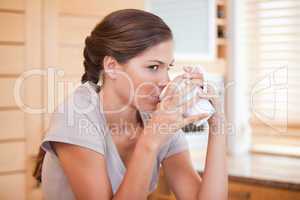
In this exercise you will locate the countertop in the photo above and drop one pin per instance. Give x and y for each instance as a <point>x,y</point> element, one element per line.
<point>260,169</point>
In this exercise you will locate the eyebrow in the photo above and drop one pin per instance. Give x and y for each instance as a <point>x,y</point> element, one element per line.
<point>161,62</point>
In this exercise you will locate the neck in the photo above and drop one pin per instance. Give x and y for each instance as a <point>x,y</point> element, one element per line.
<point>121,118</point>
<point>115,109</point>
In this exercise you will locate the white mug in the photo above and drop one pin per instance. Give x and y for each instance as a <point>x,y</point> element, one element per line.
<point>201,106</point>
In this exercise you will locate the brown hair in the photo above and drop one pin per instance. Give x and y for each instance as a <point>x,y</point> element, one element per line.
<point>122,34</point>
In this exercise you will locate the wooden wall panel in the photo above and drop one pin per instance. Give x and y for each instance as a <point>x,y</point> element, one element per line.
<point>12,59</point>
<point>14,27</point>
<point>31,85</point>
<point>74,29</point>
<point>8,119</point>
<point>12,187</point>
<point>71,60</point>
<point>12,156</point>
<point>19,50</point>
<point>7,88</point>
<point>33,132</point>
<point>12,4</point>
<point>12,140</point>
<point>97,7</point>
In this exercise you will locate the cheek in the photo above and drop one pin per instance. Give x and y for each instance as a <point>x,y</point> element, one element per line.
<point>124,86</point>
<point>146,84</point>
<point>144,89</point>
<point>143,83</point>
<point>132,87</point>
<point>143,100</point>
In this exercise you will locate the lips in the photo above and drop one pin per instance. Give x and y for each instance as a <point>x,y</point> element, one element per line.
<point>154,94</point>
<point>151,98</point>
<point>154,98</point>
<point>159,94</point>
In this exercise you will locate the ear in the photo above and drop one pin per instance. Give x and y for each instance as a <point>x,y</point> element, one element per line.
<point>110,67</point>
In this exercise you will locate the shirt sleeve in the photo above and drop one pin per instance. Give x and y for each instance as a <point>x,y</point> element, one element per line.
<point>177,144</point>
<point>73,127</point>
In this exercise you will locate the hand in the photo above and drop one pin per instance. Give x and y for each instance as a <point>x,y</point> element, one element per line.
<point>168,116</point>
<point>211,95</point>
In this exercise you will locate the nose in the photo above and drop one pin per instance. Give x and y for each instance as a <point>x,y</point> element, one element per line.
<point>164,81</point>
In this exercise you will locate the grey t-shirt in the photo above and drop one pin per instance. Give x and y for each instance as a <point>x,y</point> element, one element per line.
<point>80,120</point>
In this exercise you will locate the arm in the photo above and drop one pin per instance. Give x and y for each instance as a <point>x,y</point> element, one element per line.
<point>89,168</point>
<point>85,170</point>
<point>87,173</point>
<point>184,180</point>
<point>181,177</point>
<point>135,184</point>
<point>215,176</point>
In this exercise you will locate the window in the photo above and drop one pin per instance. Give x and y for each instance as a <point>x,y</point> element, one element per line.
<point>193,26</point>
<point>272,44</point>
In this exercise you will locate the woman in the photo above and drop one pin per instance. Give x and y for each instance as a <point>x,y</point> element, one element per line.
<point>103,143</point>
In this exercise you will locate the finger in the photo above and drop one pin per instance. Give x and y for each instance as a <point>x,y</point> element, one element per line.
<point>191,75</point>
<point>194,118</point>
<point>193,70</point>
<point>199,82</point>
<point>197,69</point>
<point>197,79</point>
<point>196,74</point>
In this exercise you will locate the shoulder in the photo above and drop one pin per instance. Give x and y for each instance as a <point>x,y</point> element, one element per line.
<point>82,100</point>
<point>80,106</point>
<point>77,121</point>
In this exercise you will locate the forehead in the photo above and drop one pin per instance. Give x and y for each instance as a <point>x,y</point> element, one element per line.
<point>162,51</point>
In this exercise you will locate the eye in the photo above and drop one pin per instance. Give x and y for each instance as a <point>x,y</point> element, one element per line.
<point>153,67</point>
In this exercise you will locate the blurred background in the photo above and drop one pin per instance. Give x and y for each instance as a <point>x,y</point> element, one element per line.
<point>249,49</point>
